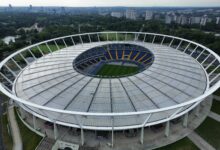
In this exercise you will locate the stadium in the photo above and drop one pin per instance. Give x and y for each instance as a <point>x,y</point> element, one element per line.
<point>110,84</point>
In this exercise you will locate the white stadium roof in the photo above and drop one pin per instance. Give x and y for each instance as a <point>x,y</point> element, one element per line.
<point>176,82</point>
<point>173,78</point>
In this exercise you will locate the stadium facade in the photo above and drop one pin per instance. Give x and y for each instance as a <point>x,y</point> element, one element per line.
<point>59,80</point>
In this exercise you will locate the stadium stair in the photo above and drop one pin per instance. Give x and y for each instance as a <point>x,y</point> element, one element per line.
<point>123,54</point>
<point>46,144</point>
<point>136,56</point>
<point>142,57</point>
<point>110,55</point>
<point>129,56</point>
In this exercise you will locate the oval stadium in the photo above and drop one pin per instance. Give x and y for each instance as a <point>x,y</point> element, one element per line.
<point>112,90</point>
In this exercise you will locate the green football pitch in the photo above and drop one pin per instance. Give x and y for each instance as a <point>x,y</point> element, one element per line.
<point>116,70</point>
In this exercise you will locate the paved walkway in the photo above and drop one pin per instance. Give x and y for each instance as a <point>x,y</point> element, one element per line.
<point>200,142</point>
<point>214,116</point>
<point>17,142</point>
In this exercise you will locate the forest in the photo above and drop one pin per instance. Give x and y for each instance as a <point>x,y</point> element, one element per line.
<point>56,25</point>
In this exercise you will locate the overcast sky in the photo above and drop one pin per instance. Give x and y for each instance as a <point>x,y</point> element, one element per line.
<point>86,3</point>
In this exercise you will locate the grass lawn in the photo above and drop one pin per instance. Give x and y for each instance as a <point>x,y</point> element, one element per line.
<point>30,139</point>
<point>112,37</point>
<point>210,131</point>
<point>216,106</point>
<point>116,70</point>
<point>212,68</point>
<point>44,48</point>
<point>37,53</point>
<point>183,144</point>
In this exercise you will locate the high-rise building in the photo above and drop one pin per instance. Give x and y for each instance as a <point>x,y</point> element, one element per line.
<point>131,14</point>
<point>204,20</point>
<point>103,13</point>
<point>174,17</point>
<point>217,20</point>
<point>209,19</point>
<point>63,10</point>
<point>178,20</point>
<point>182,20</point>
<point>157,17</point>
<point>195,20</point>
<point>149,15</point>
<point>117,14</point>
<point>168,19</point>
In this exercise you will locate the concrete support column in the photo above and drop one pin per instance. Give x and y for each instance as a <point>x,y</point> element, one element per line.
<point>142,135</point>
<point>167,129</point>
<point>11,102</point>
<point>34,122</point>
<point>197,110</point>
<point>112,132</point>
<point>21,113</point>
<point>82,136</point>
<point>112,137</point>
<point>203,103</point>
<point>185,120</point>
<point>55,131</point>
